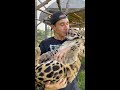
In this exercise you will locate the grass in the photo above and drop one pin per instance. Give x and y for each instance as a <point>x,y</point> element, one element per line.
<point>81,77</point>
<point>81,80</point>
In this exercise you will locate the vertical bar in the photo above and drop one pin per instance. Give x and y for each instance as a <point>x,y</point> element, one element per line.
<point>45,31</point>
<point>35,23</point>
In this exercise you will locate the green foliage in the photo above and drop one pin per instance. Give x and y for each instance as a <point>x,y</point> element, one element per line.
<point>81,80</point>
<point>40,35</point>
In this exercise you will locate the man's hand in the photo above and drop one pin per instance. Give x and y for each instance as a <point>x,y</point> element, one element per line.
<point>60,84</point>
<point>59,56</point>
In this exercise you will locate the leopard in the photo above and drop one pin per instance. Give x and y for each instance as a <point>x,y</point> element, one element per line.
<point>49,69</point>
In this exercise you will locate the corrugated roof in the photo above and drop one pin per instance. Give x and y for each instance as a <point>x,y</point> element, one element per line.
<point>72,4</point>
<point>76,6</point>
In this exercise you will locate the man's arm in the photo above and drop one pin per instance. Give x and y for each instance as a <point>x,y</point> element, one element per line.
<point>62,51</point>
<point>60,84</point>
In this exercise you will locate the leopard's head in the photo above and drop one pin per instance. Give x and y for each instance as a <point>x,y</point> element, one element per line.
<point>75,33</point>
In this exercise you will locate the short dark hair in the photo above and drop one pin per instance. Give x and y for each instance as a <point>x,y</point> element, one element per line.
<point>57,16</point>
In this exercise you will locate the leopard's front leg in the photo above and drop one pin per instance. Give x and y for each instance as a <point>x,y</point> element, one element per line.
<point>48,56</point>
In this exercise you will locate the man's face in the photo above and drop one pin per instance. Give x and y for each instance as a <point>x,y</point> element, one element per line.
<point>61,27</point>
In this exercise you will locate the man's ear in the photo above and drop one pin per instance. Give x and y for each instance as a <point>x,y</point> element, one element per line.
<point>53,27</point>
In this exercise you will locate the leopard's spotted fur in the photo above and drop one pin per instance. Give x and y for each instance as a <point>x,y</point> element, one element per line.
<point>48,69</point>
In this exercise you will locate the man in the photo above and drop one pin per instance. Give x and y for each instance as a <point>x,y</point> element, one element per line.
<point>60,25</point>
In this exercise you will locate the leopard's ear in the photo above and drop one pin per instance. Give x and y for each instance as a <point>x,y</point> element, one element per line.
<point>37,54</point>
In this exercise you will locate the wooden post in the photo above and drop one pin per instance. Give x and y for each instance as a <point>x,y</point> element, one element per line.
<point>45,31</point>
<point>35,23</point>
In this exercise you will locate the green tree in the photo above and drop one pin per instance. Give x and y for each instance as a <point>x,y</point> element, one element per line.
<point>40,35</point>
